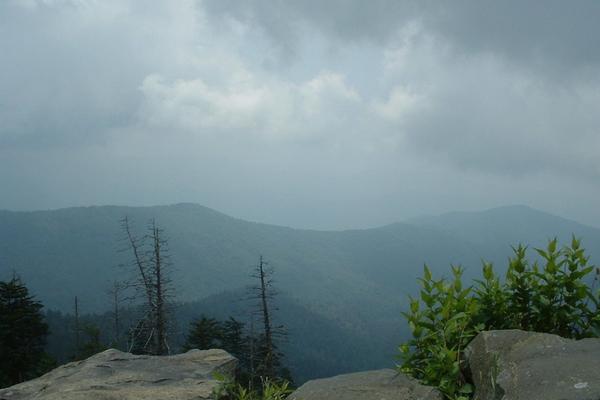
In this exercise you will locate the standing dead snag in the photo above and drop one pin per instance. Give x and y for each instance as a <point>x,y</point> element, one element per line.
<point>264,280</point>
<point>77,330</point>
<point>152,284</point>
<point>141,282</point>
<point>267,359</point>
<point>115,293</point>
<point>158,262</point>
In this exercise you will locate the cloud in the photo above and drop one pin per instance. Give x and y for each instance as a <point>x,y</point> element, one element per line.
<point>75,66</point>
<point>549,36</point>
<point>315,110</point>
<point>481,112</point>
<point>369,110</point>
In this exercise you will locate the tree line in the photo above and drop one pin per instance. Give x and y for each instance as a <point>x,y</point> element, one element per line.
<point>149,290</point>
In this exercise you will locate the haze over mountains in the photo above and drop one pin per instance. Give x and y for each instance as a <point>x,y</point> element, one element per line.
<point>332,124</point>
<point>350,284</point>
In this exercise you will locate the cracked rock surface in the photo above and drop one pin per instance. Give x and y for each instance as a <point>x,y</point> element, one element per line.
<point>115,375</point>
<point>519,365</point>
<point>384,384</point>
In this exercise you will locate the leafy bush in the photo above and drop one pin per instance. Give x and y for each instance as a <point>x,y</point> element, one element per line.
<point>553,298</point>
<point>442,322</point>
<point>228,389</point>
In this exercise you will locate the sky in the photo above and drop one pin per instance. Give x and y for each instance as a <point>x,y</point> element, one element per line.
<point>314,114</point>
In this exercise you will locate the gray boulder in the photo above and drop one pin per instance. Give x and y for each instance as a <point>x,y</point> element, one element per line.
<point>385,384</point>
<point>518,365</point>
<point>114,375</point>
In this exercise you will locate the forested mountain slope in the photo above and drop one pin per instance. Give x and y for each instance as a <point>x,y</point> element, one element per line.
<point>355,281</point>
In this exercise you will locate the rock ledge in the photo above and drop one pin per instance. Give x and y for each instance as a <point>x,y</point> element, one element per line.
<point>514,364</point>
<point>370,385</point>
<point>114,375</point>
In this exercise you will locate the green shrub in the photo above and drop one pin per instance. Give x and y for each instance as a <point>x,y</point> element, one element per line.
<point>228,389</point>
<point>442,324</point>
<point>553,298</point>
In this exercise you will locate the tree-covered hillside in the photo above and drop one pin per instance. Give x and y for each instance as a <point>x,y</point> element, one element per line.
<point>352,283</point>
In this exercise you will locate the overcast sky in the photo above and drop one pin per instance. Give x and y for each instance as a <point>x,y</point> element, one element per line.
<point>318,113</point>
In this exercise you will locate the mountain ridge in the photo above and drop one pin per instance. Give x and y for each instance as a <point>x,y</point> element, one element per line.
<point>209,244</point>
<point>412,220</point>
<point>356,280</point>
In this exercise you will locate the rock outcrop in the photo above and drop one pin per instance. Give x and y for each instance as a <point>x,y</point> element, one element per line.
<point>520,365</point>
<point>503,365</point>
<point>385,384</point>
<point>114,375</point>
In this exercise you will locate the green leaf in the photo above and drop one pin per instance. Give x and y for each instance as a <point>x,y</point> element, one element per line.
<point>414,306</point>
<point>466,389</point>
<point>552,245</point>
<point>426,273</point>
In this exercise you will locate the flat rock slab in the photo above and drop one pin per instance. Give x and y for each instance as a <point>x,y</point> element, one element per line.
<point>114,375</point>
<point>519,365</point>
<point>385,384</point>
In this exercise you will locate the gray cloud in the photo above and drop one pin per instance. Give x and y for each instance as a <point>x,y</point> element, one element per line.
<point>53,89</point>
<point>318,114</point>
<point>530,32</point>
<point>483,113</point>
<point>552,34</point>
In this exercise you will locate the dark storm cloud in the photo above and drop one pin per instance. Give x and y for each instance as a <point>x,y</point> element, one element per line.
<point>550,34</point>
<point>516,87</point>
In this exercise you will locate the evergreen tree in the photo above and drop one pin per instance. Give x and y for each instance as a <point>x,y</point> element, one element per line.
<point>229,335</point>
<point>23,334</point>
<point>233,340</point>
<point>92,345</point>
<point>205,333</point>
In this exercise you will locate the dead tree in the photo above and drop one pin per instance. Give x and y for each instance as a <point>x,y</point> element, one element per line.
<point>263,293</point>
<point>115,293</point>
<point>151,285</point>
<point>251,354</point>
<point>160,287</point>
<point>77,329</point>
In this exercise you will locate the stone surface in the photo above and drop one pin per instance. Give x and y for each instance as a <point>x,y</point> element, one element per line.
<point>114,375</point>
<point>518,365</point>
<point>385,384</point>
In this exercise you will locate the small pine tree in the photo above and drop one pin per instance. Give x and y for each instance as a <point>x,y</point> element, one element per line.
<point>92,345</point>
<point>23,334</point>
<point>233,340</point>
<point>205,333</point>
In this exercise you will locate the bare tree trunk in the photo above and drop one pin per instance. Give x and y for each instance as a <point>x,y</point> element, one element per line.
<point>266,320</point>
<point>115,294</point>
<point>139,260</point>
<point>77,338</point>
<point>267,358</point>
<point>151,263</point>
<point>251,355</point>
<point>161,335</point>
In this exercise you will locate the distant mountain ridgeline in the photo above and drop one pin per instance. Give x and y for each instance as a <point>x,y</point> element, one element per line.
<point>350,283</point>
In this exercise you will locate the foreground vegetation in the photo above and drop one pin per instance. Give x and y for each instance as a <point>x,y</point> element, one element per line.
<point>555,295</point>
<point>24,329</point>
<point>22,335</point>
<point>268,389</point>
